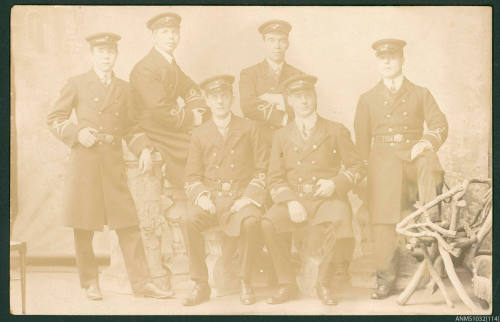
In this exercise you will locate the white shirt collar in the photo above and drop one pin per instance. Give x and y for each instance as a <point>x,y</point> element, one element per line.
<point>397,81</point>
<point>309,122</point>
<point>274,66</point>
<point>103,76</point>
<point>222,124</point>
<point>166,55</point>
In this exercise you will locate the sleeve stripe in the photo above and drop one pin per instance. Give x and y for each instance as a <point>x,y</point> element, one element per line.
<point>134,138</point>
<point>348,175</point>
<point>60,127</point>
<point>189,187</point>
<point>267,109</point>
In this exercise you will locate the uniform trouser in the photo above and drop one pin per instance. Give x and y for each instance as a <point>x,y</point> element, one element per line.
<point>198,221</point>
<point>420,173</point>
<point>132,251</point>
<point>278,245</point>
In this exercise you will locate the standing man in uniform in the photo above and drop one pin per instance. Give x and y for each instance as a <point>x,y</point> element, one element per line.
<point>390,135</point>
<point>225,184</point>
<point>308,187</point>
<point>164,125</point>
<point>157,83</point>
<point>97,191</point>
<point>260,92</point>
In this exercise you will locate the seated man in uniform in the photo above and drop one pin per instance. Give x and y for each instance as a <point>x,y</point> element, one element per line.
<point>97,191</point>
<point>308,187</point>
<point>225,185</point>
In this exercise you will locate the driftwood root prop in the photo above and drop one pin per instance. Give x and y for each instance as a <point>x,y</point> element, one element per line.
<point>445,238</point>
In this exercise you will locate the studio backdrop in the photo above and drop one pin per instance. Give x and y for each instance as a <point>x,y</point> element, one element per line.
<point>449,52</point>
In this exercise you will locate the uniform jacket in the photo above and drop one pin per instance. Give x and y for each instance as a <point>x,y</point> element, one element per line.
<point>382,113</point>
<point>295,161</point>
<point>162,123</point>
<point>96,186</point>
<point>255,81</point>
<point>238,163</point>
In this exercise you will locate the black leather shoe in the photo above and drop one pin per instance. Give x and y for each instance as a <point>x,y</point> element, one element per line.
<point>93,292</point>
<point>199,294</point>
<point>381,292</point>
<point>325,295</point>
<point>285,293</point>
<point>247,296</point>
<point>151,290</point>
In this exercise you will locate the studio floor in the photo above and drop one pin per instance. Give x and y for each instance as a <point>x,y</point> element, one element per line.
<point>56,291</point>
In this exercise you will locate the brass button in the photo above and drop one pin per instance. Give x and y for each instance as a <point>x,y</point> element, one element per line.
<point>406,127</point>
<point>405,113</point>
<point>100,112</point>
<point>313,178</point>
<point>295,148</point>
<point>232,152</point>
<point>390,129</point>
<point>386,102</point>
<point>116,113</point>
<point>100,142</point>
<point>407,141</point>
<point>231,165</point>
<point>313,162</point>
<point>388,116</point>
<point>391,144</point>
<point>300,179</point>
<point>301,195</point>
<point>334,151</point>
<point>217,166</point>
<point>299,163</point>
<point>315,147</point>
<point>96,99</point>
<point>214,154</point>
<point>404,101</point>
<point>220,193</point>
<point>218,181</point>
<point>100,127</point>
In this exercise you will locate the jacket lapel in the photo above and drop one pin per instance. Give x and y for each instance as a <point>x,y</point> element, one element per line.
<point>168,72</point>
<point>318,136</point>
<point>294,135</point>
<point>286,71</point>
<point>95,87</point>
<point>112,94</point>
<point>234,133</point>
<point>401,95</point>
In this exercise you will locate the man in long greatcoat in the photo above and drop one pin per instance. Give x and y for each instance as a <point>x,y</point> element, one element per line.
<point>96,186</point>
<point>400,152</point>
<point>225,184</point>
<point>312,167</point>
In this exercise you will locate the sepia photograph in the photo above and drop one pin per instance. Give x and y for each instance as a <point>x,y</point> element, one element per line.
<point>251,160</point>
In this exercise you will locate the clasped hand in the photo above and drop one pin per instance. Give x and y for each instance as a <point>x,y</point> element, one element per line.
<point>86,137</point>
<point>325,189</point>
<point>419,148</point>
<point>205,203</point>
<point>296,211</point>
